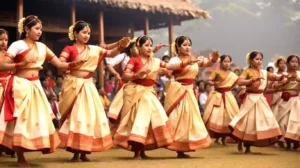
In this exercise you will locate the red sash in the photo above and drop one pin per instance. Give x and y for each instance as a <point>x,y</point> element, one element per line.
<point>243,96</point>
<point>186,81</point>
<point>9,105</point>
<point>145,82</point>
<point>223,91</point>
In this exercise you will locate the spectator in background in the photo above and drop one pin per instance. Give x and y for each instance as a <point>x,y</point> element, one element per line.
<point>49,77</point>
<point>163,78</point>
<point>270,69</point>
<point>160,94</point>
<point>199,89</point>
<point>237,71</point>
<point>47,89</point>
<point>55,109</point>
<point>203,97</point>
<point>110,87</point>
<point>58,84</point>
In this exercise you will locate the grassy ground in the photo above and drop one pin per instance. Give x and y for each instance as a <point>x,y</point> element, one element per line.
<point>216,156</point>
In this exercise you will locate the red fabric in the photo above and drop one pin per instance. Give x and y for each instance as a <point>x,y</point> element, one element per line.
<point>54,107</point>
<point>109,87</point>
<point>50,81</point>
<point>4,74</point>
<point>121,84</point>
<point>243,96</point>
<point>9,105</point>
<point>186,81</point>
<point>268,98</point>
<point>72,51</point>
<point>145,82</point>
<point>223,91</point>
<point>136,62</point>
<point>19,57</point>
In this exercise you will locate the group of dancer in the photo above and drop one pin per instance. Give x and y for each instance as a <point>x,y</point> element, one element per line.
<point>137,120</point>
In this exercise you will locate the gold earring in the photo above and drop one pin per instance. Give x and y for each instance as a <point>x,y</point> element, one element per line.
<point>26,34</point>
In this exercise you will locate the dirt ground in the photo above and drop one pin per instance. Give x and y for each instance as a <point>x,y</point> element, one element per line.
<point>216,156</point>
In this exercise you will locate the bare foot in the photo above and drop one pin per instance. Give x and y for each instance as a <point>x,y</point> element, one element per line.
<point>23,164</point>
<point>84,158</point>
<point>137,155</point>
<point>296,145</point>
<point>182,155</point>
<point>223,141</point>
<point>143,155</point>
<point>217,141</point>
<point>248,151</point>
<point>75,158</point>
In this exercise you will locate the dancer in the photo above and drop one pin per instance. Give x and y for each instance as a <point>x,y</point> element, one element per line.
<point>289,104</point>
<point>84,127</point>
<point>255,124</point>
<point>221,105</point>
<point>143,123</point>
<point>4,76</point>
<point>280,64</point>
<point>25,120</point>
<point>181,105</point>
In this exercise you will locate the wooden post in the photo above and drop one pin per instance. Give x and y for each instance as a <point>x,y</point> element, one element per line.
<point>73,12</point>
<point>101,41</point>
<point>20,13</point>
<point>146,28</point>
<point>171,36</point>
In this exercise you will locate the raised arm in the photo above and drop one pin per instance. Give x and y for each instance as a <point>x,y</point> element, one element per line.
<point>205,62</point>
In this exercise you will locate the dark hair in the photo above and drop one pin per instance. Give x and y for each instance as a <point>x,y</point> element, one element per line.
<point>200,81</point>
<point>59,76</point>
<point>42,78</point>
<point>3,31</point>
<point>128,50</point>
<point>142,40</point>
<point>278,61</point>
<point>290,57</point>
<point>206,84</point>
<point>253,54</point>
<point>165,57</point>
<point>110,76</point>
<point>79,25</point>
<point>269,68</point>
<point>179,40</point>
<point>222,58</point>
<point>29,22</point>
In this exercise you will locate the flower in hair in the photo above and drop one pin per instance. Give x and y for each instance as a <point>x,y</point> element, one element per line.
<point>21,25</point>
<point>71,33</point>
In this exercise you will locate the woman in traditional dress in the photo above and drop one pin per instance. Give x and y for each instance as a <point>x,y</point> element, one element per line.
<point>84,127</point>
<point>127,53</point>
<point>4,76</point>
<point>26,123</point>
<point>221,105</point>
<point>280,64</point>
<point>255,123</point>
<point>288,115</point>
<point>143,123</point>
<point>181,105</point>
